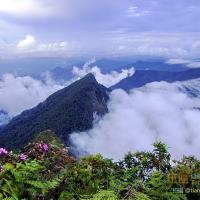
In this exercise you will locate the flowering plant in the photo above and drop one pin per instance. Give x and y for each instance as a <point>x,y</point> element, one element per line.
<point>3,152</point>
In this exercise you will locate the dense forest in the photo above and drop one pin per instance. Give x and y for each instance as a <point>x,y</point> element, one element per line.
<point>45,169</point>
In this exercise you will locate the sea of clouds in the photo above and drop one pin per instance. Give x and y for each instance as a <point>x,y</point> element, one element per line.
<point>157,111</point>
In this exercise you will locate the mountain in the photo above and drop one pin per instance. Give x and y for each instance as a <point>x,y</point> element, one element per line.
<point>142,77</point>
<point>157,65</point>
<point>108,65</point>
<point>71,109</point>
<point>63,73</point>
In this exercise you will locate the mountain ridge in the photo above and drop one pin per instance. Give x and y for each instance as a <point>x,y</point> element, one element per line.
<point>68,110</point>
<point>143,77</point>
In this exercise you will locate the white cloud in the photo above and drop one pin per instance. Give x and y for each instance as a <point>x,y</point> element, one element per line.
<point>194,65</point>
<point>51,46</point>
<point>105,79</point>
<point>174,47</point>
<point>174,61</point>
<point>21,93</point>
<point>134,11</point>
<point>28,42</point>
<point>30,47</point>
<point>155,44</point>
<point>158,111</point>
<point>187,63</point>
<point>196,45</point>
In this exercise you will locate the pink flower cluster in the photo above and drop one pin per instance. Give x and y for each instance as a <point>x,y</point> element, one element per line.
<point>3,152</point>
<point>22,157</point>
<point>44,147</point>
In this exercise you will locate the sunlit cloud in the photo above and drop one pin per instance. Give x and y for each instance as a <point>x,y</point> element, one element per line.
<point>28,42</point>
<point>24,8</point>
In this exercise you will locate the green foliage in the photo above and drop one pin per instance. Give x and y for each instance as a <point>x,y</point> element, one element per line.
<point>141,196</point>
<point>146,162</point>
<point>15,179</point>
<point>48,137</point>
<point>51,173</point>
<point>105,195</point>
<point>160,188</point>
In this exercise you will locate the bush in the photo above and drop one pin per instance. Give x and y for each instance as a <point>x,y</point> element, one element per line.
<point>45,170</point>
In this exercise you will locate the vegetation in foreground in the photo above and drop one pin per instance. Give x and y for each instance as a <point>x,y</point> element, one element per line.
<point>45,170</point>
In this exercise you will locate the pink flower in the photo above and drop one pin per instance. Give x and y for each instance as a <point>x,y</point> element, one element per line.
<point>22,157</point>
<point>44,147</point>
<point>3,152</point>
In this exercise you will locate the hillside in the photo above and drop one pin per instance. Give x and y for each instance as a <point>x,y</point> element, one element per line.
<point>68,110</point>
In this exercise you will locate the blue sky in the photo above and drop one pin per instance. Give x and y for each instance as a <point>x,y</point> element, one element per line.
<point>105,28</point>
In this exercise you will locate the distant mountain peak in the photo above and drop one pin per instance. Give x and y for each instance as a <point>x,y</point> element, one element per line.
<point>143,77</point>
<point>89,77</point>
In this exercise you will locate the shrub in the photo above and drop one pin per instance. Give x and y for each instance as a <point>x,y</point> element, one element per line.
<point>45,170</point>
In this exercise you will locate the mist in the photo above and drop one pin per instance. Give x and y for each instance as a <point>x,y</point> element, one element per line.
<point>157,111</point>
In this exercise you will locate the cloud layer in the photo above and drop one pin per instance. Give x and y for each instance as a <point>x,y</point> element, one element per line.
<point>102,28</point>
<point>176,48</point>
<point>21,93</point>
<point>158,111</point>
